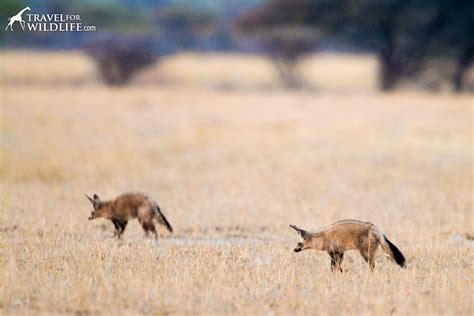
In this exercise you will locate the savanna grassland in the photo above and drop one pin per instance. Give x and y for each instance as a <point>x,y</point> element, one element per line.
<point>232,159</point>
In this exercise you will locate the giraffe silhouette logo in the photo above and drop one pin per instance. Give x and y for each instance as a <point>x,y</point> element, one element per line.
<point>17,18</point>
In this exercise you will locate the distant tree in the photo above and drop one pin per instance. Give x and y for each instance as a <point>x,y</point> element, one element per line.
<point>403,33</point>
<point>284,44</point>
<point>456,41</point>
<point>183,24</point>
<point>119,59</point>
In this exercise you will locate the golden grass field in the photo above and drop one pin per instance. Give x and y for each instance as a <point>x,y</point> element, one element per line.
<point>232,160</point>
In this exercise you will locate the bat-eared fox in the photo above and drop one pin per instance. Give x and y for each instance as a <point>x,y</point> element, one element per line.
<point>126,207</point>
<point>348,235</point>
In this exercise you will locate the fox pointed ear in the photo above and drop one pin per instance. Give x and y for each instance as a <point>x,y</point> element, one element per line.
<point>96,197</point>
<point>300,231</point>
<point>90,199</point>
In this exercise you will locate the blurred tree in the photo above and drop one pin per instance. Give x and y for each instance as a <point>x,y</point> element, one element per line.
<point>457,41</point>
<point>284,44</point>
<point>403,33</point>
<point>183,24</point>
<point>119,59</point>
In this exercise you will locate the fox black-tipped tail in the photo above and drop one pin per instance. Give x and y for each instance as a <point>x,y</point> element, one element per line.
<point>167,224</point>
<point>396,254</point>
<point>162,220</point>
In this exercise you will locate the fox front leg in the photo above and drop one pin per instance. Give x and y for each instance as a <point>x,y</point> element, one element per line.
<point>118,229</point>
<point>123,225</point>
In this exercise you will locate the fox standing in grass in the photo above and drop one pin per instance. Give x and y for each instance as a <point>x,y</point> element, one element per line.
<point>349,235</point>
<point>126,207</point>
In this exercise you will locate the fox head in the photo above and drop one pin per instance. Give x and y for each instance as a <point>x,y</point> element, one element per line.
<point>308,240</point>
<point>99,207</point>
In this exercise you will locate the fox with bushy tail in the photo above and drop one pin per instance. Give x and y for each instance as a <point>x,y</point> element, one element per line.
<point>126,207</point>
<point>349,235</point>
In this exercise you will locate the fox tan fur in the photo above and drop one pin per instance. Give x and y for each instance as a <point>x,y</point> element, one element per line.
<point>349,235</point>
<point>126,207</point>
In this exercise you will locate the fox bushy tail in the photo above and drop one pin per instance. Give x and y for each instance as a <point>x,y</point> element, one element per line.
<point>162,219</point>
<point>395,253</point>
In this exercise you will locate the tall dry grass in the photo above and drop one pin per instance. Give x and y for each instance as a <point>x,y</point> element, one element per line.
<point>231,169</point>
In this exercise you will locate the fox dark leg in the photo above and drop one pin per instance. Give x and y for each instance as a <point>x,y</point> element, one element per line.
<point>336,261</point>
<point>117,228</point>
<point>340,261</point>
<point>123,225</point>
<point>368,250</point>
<point>150,227</point>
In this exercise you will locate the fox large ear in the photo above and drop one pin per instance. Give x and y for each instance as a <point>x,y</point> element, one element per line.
<point>90,199</point>
<point>300,231</point>
<point>96,198</point>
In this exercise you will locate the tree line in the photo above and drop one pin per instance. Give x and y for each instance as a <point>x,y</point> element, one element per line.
<point>407,36</point>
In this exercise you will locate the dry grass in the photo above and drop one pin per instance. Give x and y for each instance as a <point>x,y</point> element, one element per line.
<point>231,169</point>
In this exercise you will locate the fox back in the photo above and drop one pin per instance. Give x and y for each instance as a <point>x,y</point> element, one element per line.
<point>346,235</point>
<point>125,206</point>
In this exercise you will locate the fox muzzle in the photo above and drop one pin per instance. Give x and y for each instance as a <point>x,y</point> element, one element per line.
<point>297,249</point>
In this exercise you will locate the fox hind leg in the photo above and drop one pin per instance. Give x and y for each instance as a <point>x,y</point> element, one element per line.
<point>336,261</point>
<point>150,227</point>
<point>340,261</point>
<point>369,256</point>
<point>365,255</point>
